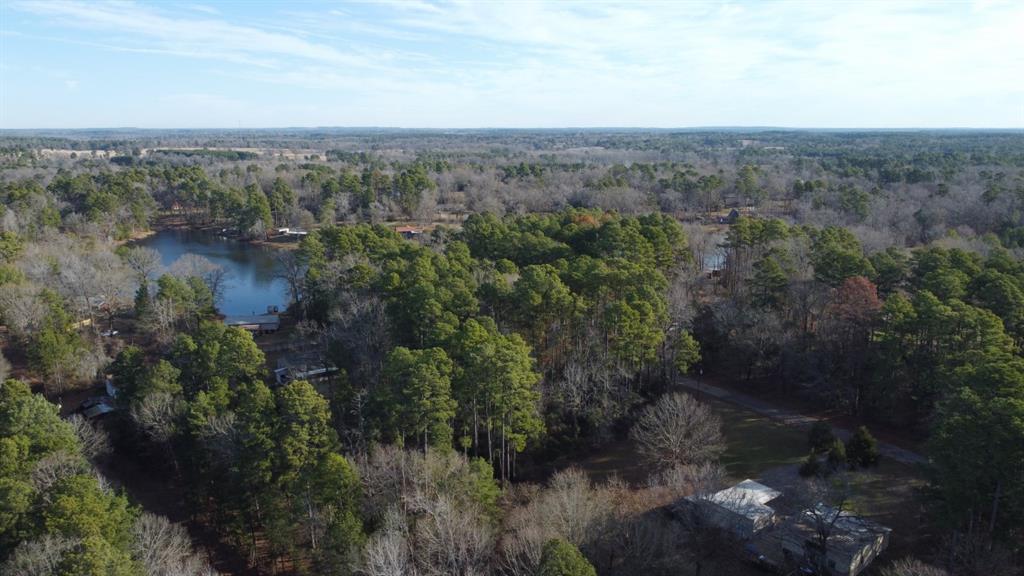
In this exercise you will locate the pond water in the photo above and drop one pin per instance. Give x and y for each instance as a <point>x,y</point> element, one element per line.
<point>715,259</point>
<point>251,285</point>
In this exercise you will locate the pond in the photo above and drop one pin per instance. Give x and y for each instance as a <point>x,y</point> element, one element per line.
<point>251,268</point>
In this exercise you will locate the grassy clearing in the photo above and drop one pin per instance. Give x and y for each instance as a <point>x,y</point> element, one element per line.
<point>755,443</point>
<point>890,494</point>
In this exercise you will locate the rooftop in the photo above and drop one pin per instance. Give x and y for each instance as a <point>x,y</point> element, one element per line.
<point>848,538</point>
<point>748,498</point>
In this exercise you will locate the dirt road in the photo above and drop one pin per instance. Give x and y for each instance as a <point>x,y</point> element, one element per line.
<point>791,418</point>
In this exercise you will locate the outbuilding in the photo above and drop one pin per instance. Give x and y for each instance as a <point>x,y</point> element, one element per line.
<point>741,509</point>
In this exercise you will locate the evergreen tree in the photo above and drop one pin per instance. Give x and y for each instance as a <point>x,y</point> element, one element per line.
<point>862,448</point>
<point>687,352</point>
<point>836,455</point>
<point>560,558</point>
<point>495,386</point>
<point>257,210</point>
<point>415,400</point>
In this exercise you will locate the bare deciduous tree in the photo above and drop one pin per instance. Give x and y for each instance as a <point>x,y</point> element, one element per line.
<point>155,415</point>
<point>292,269</point>
<point>111,284</point>
<point>823,503</point>
<point>165,549</point>
<point>22,309</point>
<point>430,519</point>
<point>41,557</point>
<point>215,276</point>
<point>143,261</point>
<point>89,276</point>
<point>161,315</point>
<point>93,440</point>
<point>636,537</point>
<point>452,539</point>
<point>387,551</point>
<point>691,479</point>
<point>360,329</point>
<point>570,507</point>
<point>912,567</point>
<point>707,546</point>
<point>54,467</point>
<point>677,429</point>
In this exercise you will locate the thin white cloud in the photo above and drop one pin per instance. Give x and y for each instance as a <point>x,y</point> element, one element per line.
<point>200,99</point>
<point>202,8</point>
<point>188,36</point>
<point>537,63</point>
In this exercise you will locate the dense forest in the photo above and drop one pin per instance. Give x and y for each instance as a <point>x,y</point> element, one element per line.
<point>560,293</point>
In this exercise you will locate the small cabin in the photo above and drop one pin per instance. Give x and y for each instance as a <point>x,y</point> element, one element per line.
<point>731,218</point>
<point>408,232</point>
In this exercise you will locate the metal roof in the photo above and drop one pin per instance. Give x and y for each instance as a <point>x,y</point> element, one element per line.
<point>748,499</point>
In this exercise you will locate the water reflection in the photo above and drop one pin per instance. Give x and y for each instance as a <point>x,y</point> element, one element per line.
<point>251,285</point>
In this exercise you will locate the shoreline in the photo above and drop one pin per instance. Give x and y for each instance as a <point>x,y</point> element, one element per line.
<point>166,222</point>
<point>136,236</point>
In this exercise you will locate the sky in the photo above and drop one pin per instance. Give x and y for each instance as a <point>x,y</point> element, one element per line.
<point>526,64</point>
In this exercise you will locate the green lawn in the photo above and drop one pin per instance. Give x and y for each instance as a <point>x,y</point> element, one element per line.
<point>755,443</point>
<point>890,494</point>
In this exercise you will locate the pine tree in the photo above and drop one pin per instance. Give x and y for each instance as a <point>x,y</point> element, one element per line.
<point>862,448</point>
<point>560,558</point>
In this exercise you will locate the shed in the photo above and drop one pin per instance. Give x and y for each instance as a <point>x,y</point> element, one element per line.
<point>734,214</point>
<point>408,232</point>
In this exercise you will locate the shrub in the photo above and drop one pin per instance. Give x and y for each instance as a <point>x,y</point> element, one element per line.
<point>560,558</point>
<point>862,448</point>
<point>820,437</point>
<point>836,456</point>
<point>811,466</point>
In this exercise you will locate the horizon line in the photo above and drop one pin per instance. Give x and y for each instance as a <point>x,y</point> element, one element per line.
<point>522,129</point>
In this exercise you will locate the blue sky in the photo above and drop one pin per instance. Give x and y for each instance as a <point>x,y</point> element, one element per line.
<point>520,64</point>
